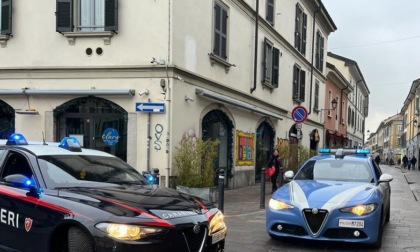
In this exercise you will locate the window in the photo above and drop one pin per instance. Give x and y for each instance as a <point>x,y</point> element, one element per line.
<point>270,12</point>
<point>316,102</point>
<point>298,84</point>
<point>220,30</point>
<point>86,15</point>
<point>319,55</point>
<point>271,64</point>
<point>300,30</point>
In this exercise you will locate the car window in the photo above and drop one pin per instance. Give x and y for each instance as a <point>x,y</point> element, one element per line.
<point>81,170</point>
<point>16,164</point>
<point>336,169</point>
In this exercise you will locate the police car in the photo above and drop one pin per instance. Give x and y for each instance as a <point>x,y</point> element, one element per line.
<point>61,197</point>
<point>339,195</point>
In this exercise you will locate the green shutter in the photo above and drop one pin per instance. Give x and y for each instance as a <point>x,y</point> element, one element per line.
<point>64,16</point>
<point>6,17</point>
<point>303,49</point>
<point>302,86</point>
<point>111,15</point>
<point>276,64</point>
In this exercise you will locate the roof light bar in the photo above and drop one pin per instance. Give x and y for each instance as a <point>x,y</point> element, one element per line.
<point>71,144</point>
<point>16,139</point>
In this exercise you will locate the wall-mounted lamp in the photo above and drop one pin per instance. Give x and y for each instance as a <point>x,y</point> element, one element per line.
<point>144,92</point>
<point>415,122</point>
<point>187,98</point>
<point>160,62</point>
<point>333,105</point>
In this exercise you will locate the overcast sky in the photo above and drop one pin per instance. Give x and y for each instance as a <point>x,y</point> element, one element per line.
<point>383,37</point>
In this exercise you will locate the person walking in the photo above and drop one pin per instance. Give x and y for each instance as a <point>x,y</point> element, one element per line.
<point>377,159</point>
<point>413,162</point>
<point>278,165</point>
<point>405,161</point>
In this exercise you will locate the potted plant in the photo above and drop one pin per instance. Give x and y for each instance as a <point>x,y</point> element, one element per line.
<point>194,164</point>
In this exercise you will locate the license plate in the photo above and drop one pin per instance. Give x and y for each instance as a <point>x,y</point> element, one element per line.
<point>216,237</point>
<point>351,223</point>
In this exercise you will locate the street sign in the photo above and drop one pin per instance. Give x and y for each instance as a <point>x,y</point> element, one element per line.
<point>299,114</point>
<point>150,107</point>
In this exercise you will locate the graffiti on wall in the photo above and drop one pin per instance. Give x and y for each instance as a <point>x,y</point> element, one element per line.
<point>158,136</point>
<point>245,145</point>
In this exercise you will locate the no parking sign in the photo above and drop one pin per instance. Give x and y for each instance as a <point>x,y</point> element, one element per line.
<point>299,114</point>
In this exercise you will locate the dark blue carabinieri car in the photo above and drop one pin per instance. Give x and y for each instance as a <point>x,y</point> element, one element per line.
<point>339,195</point>
<point>61,197</point>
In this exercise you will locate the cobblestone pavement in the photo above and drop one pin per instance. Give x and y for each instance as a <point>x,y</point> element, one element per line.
<point>245,217</point>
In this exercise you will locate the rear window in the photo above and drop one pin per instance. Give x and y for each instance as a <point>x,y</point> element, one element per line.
<point>337,170</point>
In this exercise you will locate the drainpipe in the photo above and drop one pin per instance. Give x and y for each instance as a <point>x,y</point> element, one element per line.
<point>312,60</point>
<point>168,98</point>
<point>256,46</point>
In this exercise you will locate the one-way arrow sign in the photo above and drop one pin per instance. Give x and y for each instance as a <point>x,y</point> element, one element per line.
<point>150,107</point>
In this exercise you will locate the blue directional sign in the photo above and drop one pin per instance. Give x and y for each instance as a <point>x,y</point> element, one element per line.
<point>150,107</point>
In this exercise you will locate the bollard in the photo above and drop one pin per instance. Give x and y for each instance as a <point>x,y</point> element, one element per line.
<point>221,189</point>
<point>262,191</point>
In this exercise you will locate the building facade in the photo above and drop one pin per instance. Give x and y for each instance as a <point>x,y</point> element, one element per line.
<point>133,78</point>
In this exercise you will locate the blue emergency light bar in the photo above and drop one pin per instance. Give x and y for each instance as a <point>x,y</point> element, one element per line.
<point>71,144</point>
<point>344,151</point>
<point>16,139</point>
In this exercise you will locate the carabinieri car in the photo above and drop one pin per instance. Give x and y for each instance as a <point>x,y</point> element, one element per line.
<point>339,195</point>
<point>61,197</point>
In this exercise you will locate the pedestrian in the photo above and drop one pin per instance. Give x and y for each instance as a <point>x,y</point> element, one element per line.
<point>405,161</point>
<point>377,159</point>
<point>413,162</point>
<point>278,165</point>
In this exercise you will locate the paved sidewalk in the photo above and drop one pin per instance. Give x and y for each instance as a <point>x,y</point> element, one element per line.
<point>413,179</point>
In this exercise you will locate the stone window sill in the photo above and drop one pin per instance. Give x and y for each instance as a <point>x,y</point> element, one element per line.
<point>3,40</point>
<point>106,36</point>
<point>216,59</point>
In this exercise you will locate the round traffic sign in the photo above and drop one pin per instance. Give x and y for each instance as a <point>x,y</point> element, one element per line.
<point>299,114</point>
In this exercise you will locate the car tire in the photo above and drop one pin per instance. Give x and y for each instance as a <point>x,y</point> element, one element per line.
<point>78,240</point>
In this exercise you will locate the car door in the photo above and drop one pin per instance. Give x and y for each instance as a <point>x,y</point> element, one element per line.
<point>17,207</point>
<point>384,187</point>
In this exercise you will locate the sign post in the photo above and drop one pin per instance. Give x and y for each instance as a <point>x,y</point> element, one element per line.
<point>299,114</point>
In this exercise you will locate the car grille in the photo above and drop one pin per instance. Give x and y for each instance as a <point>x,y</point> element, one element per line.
<point>290,229</point>
<point>344,233</point>
<point>315,219</point>
<point>195,241</point>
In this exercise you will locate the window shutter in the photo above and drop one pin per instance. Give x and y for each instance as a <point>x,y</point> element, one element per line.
<point>316,105</point>
<point>111,15</point>
<point>302,86</point>
<point>64,16</point>
<point>270,11</point>
<point>317,46</point>
<point>303,51</point>
<point>6,17</point>
<point>217,30</point>
<point>295,82</point>
<point>276,64</point>
<point>224,33</point>
<point>321,61</point>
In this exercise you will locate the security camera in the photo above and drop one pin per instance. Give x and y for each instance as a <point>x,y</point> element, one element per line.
<point>144,92</point>
<point>153,60</point>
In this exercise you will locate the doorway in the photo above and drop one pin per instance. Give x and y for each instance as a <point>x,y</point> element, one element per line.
<point>97,123</point>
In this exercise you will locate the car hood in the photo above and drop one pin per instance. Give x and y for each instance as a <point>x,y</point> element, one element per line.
<point>324,194</point>
<point>129,201</point>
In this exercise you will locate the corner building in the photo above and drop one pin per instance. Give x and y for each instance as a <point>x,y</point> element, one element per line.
<point>133,77</point>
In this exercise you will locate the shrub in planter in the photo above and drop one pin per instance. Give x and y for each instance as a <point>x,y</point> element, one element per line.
<point>194,163</point>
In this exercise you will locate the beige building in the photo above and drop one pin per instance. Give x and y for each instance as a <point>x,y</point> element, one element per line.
<point>134,77</point>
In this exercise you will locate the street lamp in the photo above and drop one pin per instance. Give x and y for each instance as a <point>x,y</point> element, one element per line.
<point>333,105</point>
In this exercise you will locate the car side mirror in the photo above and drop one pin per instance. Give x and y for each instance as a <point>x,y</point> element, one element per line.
<point>289,175</point>
<point>385,178</point>
<point>19,180</point>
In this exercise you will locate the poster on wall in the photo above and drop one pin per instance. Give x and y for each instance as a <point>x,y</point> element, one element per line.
<point>245,145</point>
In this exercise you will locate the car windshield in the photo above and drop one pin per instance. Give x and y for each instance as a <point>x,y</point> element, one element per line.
<point>83,170</point>
<point>337,170</point>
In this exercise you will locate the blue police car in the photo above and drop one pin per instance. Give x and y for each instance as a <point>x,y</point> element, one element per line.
<point>61,197</point>
<point>338,195</point>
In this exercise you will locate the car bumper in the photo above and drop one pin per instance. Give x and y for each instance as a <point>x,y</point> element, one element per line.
<point>294,223</point>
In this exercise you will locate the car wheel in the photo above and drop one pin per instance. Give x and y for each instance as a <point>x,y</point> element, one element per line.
<point>79,241</point>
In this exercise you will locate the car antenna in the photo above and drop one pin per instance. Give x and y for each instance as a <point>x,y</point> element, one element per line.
<point>43,139</point>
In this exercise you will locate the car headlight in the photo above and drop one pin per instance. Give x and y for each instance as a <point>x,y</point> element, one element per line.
<point>128,232</point>
<point>279,205</point>
<point>217,223</point>
<point>360,209</point>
